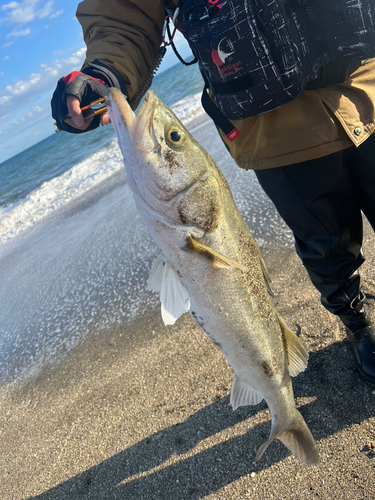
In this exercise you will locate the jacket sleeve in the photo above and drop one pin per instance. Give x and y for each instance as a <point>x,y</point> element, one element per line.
<point>121,35</point>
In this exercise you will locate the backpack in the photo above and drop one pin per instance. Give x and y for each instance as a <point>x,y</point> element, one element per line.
<point>257,55</point>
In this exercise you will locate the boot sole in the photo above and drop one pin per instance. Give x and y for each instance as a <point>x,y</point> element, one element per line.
<point>371,381</point>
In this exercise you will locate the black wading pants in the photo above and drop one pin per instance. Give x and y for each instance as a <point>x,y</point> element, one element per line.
<point>321,201</point>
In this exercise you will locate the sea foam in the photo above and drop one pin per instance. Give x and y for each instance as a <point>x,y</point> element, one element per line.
<point>51,196</point>
<point>69,187</point>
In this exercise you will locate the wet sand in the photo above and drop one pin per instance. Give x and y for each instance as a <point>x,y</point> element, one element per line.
<point>142,413</point>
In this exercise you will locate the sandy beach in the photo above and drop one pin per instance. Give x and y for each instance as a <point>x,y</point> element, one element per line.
<point>142,412</point>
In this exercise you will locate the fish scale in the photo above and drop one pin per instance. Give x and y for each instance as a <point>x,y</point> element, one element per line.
<point>210,264</point>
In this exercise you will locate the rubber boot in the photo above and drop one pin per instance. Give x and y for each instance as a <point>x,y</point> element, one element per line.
<point>361,334</point>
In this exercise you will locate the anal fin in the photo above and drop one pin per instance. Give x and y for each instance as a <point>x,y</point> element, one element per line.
<point>243,394</point>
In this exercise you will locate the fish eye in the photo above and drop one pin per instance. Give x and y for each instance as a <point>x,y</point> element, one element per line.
<point>176,137</point>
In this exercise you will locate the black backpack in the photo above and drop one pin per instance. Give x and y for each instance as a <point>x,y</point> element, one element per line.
<point>257,55</point>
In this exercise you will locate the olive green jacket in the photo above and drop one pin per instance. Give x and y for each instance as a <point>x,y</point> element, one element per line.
<point>126,35</point>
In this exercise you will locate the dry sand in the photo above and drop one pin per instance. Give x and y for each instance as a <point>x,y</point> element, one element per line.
<point>143,413</point>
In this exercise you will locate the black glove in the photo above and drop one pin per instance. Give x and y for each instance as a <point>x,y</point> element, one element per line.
<point>86,88</point>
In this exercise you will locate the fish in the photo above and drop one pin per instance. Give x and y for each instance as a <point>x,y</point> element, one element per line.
<point>210,265</point>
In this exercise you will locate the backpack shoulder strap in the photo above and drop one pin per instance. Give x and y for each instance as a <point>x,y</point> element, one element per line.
<point>217,116</point>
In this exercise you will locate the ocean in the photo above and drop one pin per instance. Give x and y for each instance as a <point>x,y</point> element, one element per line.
<point>74,253</point>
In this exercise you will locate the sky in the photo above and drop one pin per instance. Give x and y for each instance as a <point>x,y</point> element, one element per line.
<point>40,41</point>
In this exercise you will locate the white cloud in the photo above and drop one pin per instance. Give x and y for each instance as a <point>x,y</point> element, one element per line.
<point>27,10</point>
<point>20,94</point>
<point>56,14</point>
<point>61,53</point>
<point>41,81</point>
<point>25,105</point>
<point>2,73</point>
<point>24,85</point>
<point>30,114</point>
<point>77,58</point>
<point>5,99</point>
<point>31,118</point>
<point>10,5</point>
<point>19,33</point>
<point>45,10</point>
<point>8,44</point>
<point>5,58</point>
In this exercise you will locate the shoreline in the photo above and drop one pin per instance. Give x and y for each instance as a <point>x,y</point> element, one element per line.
<point>130,418</point>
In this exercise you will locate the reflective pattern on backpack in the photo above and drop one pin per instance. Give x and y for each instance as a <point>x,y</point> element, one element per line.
<point>257,55</point>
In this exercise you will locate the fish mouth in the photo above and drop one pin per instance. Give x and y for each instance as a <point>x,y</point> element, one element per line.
<point>136,137</point>
<point>136,129</point>
<point>120,111</point>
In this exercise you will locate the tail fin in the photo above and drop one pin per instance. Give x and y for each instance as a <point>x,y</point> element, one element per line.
<point>298,438</point>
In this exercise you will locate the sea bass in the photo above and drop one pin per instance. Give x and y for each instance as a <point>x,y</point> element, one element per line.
<point>210,263</point>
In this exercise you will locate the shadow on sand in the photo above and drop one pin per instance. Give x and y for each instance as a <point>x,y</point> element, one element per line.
<point>342,399</point>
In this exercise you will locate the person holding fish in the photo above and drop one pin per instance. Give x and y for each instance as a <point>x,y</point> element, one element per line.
<point>311,144</point>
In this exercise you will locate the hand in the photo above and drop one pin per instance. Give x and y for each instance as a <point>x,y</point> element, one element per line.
<point>73,92</point>
<point>77,120</point>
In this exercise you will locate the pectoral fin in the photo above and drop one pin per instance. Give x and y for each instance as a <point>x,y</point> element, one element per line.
<point>297,354</point>
<point>155,277</point>
<point>174,297</point>
<point>217,259</point>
